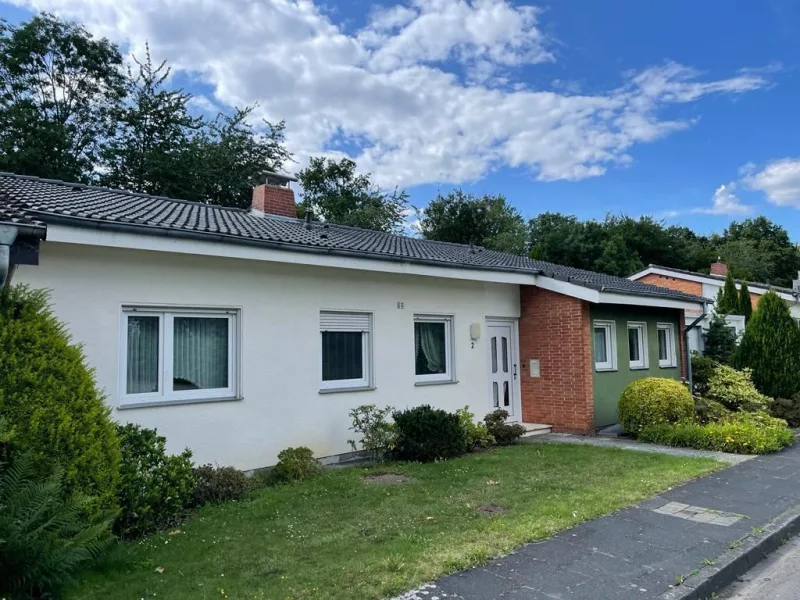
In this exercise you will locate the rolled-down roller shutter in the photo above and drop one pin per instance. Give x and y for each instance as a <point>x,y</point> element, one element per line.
<point>344,321</point>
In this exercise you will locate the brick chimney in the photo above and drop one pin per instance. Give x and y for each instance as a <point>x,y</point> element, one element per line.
<point>719,268</point>
<point>275,197</point>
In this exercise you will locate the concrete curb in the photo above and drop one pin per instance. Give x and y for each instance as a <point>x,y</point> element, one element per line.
<point>736,561</point>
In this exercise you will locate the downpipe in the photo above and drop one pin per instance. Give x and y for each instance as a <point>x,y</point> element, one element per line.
<point>686,331</point>
<point>8,235</point>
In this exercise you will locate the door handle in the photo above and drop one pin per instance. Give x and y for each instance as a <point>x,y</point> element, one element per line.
<point>515,372</point>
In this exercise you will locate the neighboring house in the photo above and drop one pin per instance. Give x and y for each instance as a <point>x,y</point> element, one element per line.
<point>709,285</point>
<point>239,333</point>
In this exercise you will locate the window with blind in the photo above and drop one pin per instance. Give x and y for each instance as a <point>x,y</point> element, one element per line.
<point>346,350</point>
<point>178,355</point>
<point>433,348</point>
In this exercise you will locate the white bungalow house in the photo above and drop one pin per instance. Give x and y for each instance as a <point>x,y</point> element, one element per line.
<point>239,333</point>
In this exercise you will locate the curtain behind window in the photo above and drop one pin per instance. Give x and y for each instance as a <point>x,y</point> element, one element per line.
<point>200,353</point>
<point>431,350</point>
<point>142,368</point>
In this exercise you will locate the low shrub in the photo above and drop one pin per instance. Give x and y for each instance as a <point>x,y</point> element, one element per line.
<point>50,400</point>
<point>295,464</point>
<point>478,435</point>
<point>44,533</point>
<point>426,434</point>
<point>219,484</point>
<point>377,435</point>
<point>702,369</point>
<point>787,409</point>
<point>503,433</point>
<point>155,487</point>
<point>707,410</point>
<point>735,390</point>
<point>741,433</point>
<point>652,401</point>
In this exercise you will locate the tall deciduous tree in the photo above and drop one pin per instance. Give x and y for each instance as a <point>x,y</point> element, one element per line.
<point>745,304</point>
<point>59,88</point>
<point>770,347</point>
<point>488,221</point>
<point>728,297</point>
<point>148,153</point>
<point>229,156</point>
<point>334,191</point>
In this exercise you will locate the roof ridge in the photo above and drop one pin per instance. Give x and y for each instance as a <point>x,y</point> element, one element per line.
<point>120,191</point>
<point>718,277</point>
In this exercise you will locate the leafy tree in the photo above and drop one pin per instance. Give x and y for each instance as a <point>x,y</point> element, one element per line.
<point>229,155</point>
<point>771,348</point>
<point>334,191</point>
<point>488,221</point>
<point>148,152</point>
<point>745,304</point>
<point>720,340</point>
<point>59,88</point>
<point>759,250</point>
<point>728,297</point>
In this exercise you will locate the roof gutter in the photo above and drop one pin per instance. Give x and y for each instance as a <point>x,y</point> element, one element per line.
<point>242,241</point>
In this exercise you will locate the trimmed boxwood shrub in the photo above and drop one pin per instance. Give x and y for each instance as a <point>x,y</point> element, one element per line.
<point>503,433</point>
<point>219,484</point>
<point>741,433</point>
<point>426,434</point>
<point>155,488</point>
<point>295,464</point>
<point>652,401</point>
<point>50,401</point>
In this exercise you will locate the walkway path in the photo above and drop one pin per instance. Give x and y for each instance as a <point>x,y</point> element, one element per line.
<point>643,551</point>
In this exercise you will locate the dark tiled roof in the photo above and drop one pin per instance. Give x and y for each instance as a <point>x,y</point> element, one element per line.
<point>15,215</point>
<point>59,202</point>
<point>721,278</point>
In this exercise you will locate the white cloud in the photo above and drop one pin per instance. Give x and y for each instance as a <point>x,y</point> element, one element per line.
<point>779,180</point>
<point>430,88</point>
<point>725,202</point>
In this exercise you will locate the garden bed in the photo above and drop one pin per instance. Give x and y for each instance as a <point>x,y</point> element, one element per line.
<point>338,536</point>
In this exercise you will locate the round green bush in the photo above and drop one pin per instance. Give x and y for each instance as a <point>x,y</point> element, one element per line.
<point>49,399</point>
<point>426,434</point>
<point>654,400</point>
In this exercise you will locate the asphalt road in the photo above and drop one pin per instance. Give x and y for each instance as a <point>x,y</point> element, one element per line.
<point>775,578</point>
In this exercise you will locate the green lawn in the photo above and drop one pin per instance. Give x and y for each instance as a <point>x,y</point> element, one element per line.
<point>339,537</point>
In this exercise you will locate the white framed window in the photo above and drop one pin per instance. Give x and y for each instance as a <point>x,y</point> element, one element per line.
<point>667,349</point>
<point>346,350</point>
<point>604,337</point>
<point>637,345</point>
<point>433,348</point>
<point>178,355</point>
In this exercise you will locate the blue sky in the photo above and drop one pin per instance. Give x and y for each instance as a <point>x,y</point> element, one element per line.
<point>576,106</point>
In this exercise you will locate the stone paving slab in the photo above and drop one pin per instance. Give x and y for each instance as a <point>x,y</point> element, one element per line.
<point>639,552</point>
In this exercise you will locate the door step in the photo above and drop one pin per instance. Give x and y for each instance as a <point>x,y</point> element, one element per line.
<point>532,429</point>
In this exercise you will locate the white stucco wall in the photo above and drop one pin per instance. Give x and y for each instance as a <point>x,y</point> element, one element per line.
<point>280,344</point>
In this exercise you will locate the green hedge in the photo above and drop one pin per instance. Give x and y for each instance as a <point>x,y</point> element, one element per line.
<point>652,401</point>
<point>741,433</point>
<point>49,399</point>
<point>426,434</point>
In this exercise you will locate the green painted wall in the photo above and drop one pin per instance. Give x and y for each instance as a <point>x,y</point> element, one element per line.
<point>608,385</point>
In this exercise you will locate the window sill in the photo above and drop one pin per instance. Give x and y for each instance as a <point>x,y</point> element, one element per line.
<point>348,389</point>
<point>667,366</point>
<point>645,368</point>
<point>606,370</point>
<point>156,403</point>
<point>443,382</point>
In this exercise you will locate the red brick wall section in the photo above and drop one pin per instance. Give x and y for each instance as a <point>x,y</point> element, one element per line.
<point>673,283</point>
<point>555,329</point>
<point>274,200</point>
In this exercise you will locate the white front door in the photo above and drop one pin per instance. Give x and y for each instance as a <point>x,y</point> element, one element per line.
<point>502,367</point>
